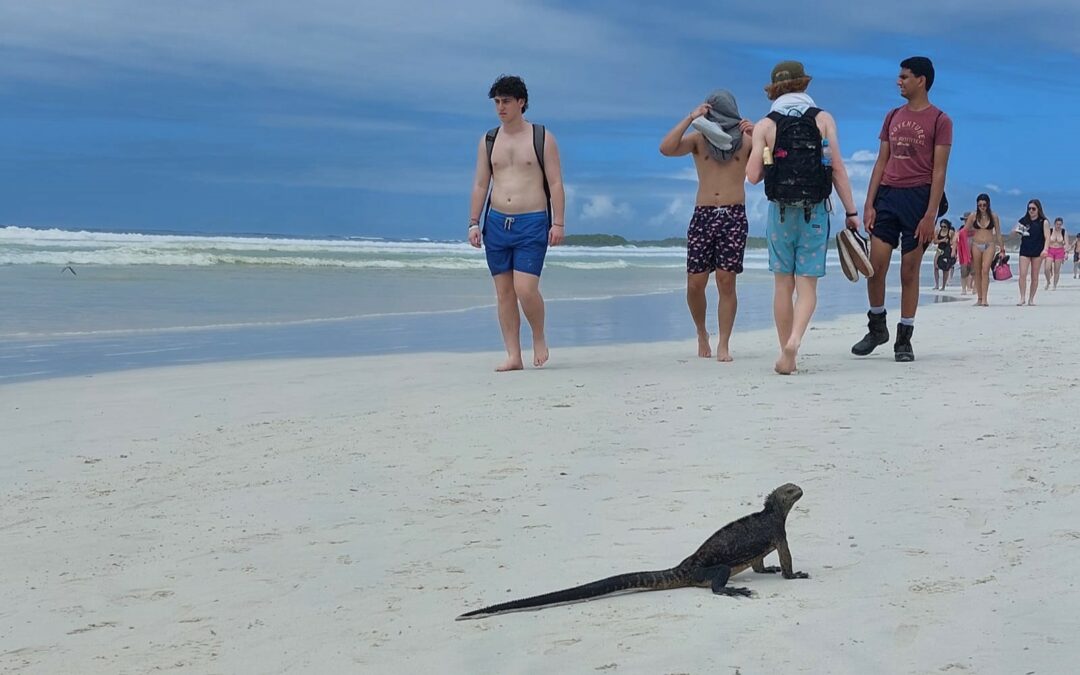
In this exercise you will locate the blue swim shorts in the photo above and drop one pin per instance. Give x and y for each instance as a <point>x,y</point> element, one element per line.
<point>796,246</point>
<point>517,242</point>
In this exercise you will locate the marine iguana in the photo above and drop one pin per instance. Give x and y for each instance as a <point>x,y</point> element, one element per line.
<point>739,545</point>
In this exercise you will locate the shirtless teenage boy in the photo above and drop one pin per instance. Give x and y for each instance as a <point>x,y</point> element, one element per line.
<point>716,237</point>
<point>521,221</point>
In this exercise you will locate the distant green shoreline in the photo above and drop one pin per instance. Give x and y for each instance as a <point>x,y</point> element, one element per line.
<point>1012,241</point>
<point>602,240</point>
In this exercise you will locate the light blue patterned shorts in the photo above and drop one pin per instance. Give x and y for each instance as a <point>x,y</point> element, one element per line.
<point>796,246</point>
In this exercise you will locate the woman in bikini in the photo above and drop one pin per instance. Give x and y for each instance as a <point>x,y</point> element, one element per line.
<point>1056,244</point>
<point>945,259</point>
<point>984,230</point>
<point>1034,230</point>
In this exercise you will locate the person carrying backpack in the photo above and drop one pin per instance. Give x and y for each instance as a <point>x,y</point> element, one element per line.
<point>796,150</point>
<point>905,198</point>
<point>519,192</point>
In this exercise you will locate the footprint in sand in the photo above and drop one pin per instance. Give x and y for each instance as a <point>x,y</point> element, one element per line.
<point>936,586</point>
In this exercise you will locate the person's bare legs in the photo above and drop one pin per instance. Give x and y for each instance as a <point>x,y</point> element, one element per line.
<point>783,310</point>
<point>726,308</point>
<point>1036,265</point>
<point>1025,265</point>
<point>937,277</point>
<point>1048,271</point>
<point>980,263</point>
<point>880,257</point>
<point>527,287</point>
<point>984,277</point>
<point>805,304</point>
<point>910,264</point>
<point>695,300</point>
<point>1057,271</point>
<point>509,321</point>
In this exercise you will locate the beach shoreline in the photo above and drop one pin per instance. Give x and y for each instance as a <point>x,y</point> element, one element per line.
<point>331,515</point>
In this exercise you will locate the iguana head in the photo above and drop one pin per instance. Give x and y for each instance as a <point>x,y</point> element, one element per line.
<point>784,497</point>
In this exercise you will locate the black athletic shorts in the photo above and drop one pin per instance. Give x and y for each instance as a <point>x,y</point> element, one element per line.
<point>899,211</point>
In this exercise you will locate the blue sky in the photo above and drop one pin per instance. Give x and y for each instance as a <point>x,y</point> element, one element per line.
<point>362,118</point>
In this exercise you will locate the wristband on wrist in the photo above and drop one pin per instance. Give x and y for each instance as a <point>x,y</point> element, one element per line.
<point>557,225</point>
<point>851,214</point>
<point>472,225</point>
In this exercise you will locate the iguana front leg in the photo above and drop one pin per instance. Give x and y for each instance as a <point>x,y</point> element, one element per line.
<point>785,561</point>
<point>758,565</point>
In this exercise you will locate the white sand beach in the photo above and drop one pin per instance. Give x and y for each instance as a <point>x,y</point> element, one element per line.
<point>334,516</point>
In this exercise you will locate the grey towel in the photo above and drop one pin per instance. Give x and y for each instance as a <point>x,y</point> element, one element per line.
<point>725,114</point>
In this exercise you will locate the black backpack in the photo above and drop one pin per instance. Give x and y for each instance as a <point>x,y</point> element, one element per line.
<point>539,134</point>
<point>797,177</point>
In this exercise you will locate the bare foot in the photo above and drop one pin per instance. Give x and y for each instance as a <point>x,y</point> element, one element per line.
<point>510,364</point>
<point>540,352</point>
<point>1021,303</point>
<point>703,348</point>
<point>723,355</point>
<point>785,365</point>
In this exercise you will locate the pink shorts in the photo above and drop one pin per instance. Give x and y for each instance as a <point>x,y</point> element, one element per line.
<point>1056,254</point>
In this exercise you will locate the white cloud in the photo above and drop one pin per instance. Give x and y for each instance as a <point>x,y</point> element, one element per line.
<point>1015,192</point>
<point>602,207</point>
<point>863,156</point>
<point>992,188</point>
<point>677,208</point>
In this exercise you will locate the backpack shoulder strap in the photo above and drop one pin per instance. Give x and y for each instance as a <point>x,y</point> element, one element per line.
<point>811,113</point>
<point>539,135</point>
<point>892,114</point>
<point>489,139</point>
<point>937,119</point>
<point>775,116</point>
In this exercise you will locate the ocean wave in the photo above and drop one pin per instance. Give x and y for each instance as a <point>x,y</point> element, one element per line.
<point>17,238</point>
<point>26,246</point>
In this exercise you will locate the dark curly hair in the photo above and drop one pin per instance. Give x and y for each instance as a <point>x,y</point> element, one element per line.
<point>510,85</point>
<point>920,66</point>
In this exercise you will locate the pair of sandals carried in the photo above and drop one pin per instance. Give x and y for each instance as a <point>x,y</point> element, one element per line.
<point>854,253</point>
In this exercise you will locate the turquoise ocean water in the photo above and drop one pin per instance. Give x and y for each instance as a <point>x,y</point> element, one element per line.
<point>145,299</point>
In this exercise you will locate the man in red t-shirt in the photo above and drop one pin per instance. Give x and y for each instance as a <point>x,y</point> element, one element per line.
<point>906,193</point>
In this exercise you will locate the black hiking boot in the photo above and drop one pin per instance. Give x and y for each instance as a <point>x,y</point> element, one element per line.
<point>877,334</point>
<point>902,349</point>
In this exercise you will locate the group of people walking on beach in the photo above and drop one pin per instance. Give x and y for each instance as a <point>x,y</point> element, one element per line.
<point>518,203</point>
<point>979,246</point>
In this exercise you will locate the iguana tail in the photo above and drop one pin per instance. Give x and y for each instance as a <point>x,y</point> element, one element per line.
<point>618,584</point>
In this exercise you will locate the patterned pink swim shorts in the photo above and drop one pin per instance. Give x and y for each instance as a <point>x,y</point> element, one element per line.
<point>716,239</point>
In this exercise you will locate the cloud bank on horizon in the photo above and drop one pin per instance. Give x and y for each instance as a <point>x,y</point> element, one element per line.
<point>333,117</point>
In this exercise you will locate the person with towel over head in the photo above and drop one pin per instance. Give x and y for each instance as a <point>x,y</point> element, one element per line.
<point>716,237</point>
